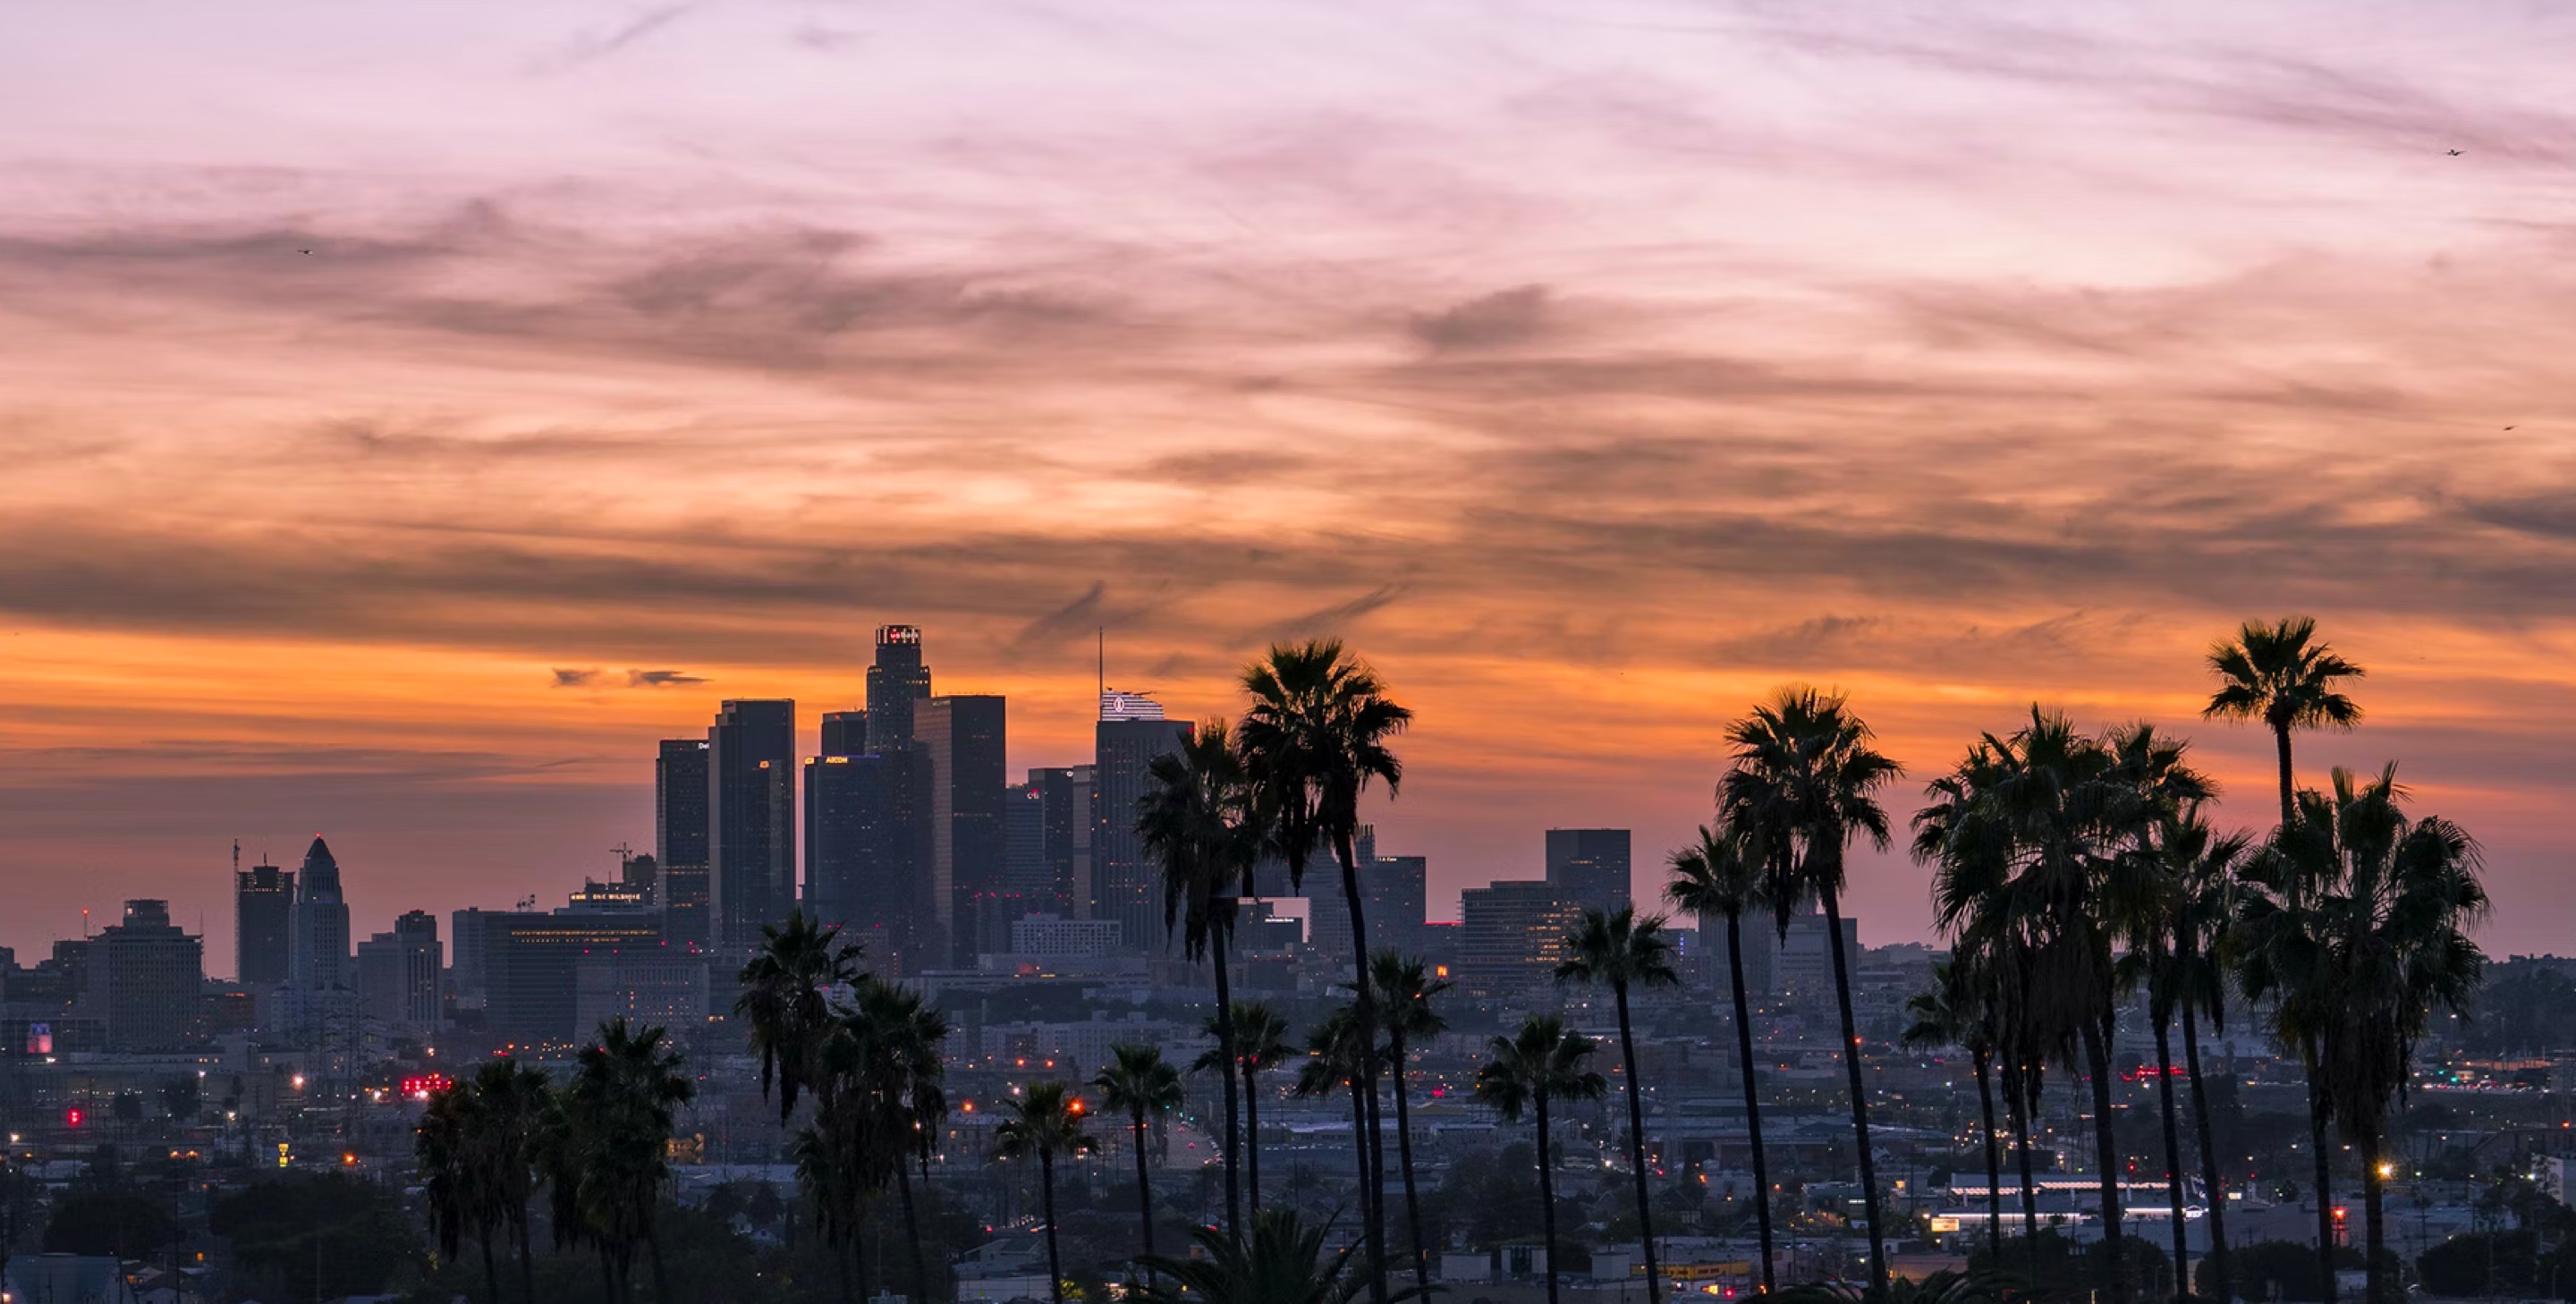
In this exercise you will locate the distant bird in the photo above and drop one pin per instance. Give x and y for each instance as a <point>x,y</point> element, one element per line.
<point>2456,153</point>
<point>2508,427</point>
<point>303,251</point>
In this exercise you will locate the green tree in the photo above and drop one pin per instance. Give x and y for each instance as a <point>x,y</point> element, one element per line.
<point>1800,790</point>
<point>1044,1122</point>
<point>318,1236</point>
<point>1542,1062</point>
<point>1314,738</point>
<point>1618,950</point>
<point>785,1001</point>
<point>1714,878</point>
<point>120,1221</point>
<point>1199,823</point>
<point>182,1097</point>
<point>1407,987</point>
<point>1140,1084</point>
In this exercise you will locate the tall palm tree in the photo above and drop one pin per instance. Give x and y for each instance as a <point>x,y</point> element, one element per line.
<point>1260,1045</point>
<point>1313,739</point>
<point>1800,790</point>
<point>2358,924</point>
<point>1337,1057</point>
<point>1952,1012</point>
<point>1045,1121</point>
<point>1619,950</point>
<point>785,1000</point>
<point>452,1183</point>
<point>511,1104</point>
<point>610,1144</point>
<point>1713,877</point>
<point>1198,821</point>
<point>2204,869</point>
<point>900,1081</point>
<point>1140,1084</point>
<point>1407,987</point>
<point>2280,675</point>
<point>1544,1061</point>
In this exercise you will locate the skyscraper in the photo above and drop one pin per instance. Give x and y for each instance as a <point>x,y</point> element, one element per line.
<point>145,980</point>
<point>1393,890</point>
<point>896,682</point>
<point>320,933</point>
<point>845,733</point>
<point>963,737</point>
<point>1511,936</point>
<point>680,840</point>
<point>1589,867</point>
<point>1063,795</point>
<point>398,973</point>
<point>751,800</point>
<point>263,926</point>
<point>864,836</point>
<point>1130,735</point>
<point>1027,872</point>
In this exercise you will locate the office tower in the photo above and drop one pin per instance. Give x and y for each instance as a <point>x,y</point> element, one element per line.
<point>963,737</point>
<point>263,926</point>
<point>145,979</point>
<point>465,930</point>
<point>1026,872</point>
<point>680,795</point>
<point>845,733</point>
<point>659,989</point>
<point>1393,890</point>
<point>865,846</point>
<point>1130,735</point>
<point>751,834</point>
<point>398,973</point>
<point>1511,936</point>
<point>1589,867</point>
<point>641,874</point>
<point>320,933</point>
<point>1063,794</point>
<point>1803,966</point>
<point>896,683</point>
<point>530,966</point>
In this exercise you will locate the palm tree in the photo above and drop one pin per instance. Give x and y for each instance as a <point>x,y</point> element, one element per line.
<point>1407,988</point>
<point>1045,1121</point>
<point>511,1104</point>
<point>1139,1083</point>
<point>1951,1012</point>
<point>452,1182</point>
<point>1260,1044</point>
<point>899,1080</point>
<point>1196,819</point>
<point>1313,739</point>
<point>1337,1058</point>
<point>2358,923</point>
<point>1523,1072</point>
<point>2276,674</point>
<point>2204,870</point>
<point>1620,951</point>
<point>1282,1261</point>
<point>785,1001</point>
<point>608,1149</point>
<point>1799,790</point>
<point>1713,877</point>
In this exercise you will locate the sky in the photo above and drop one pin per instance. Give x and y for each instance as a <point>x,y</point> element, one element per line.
<point>409,412</point>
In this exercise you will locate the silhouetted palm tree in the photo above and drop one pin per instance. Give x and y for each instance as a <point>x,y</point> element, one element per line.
<point>2203,870</point>
<point>1260,1045</point>
<point>785,1002</point>
<point>608,1148</point>
<point>1952,1012</point>
<point>1045,1121</point>
<point>1313,739</point>
<point>451,1182</point>
<point>1522,1073</point>
<point>1713,878</point>
<point>1197,821</point>
<point>1799,791</point>
<point>1139,1084</point>
<point>1407,987</point>
<point>2279,675</point>
<point>1282,1261</point>
<point>1336,1059</point>
<point>1618,950</point>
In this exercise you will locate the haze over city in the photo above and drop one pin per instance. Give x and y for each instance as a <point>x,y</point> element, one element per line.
<point>411,413</point>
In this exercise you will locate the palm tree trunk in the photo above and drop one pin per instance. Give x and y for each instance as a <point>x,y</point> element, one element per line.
<point>2020,1107</point>
<point>1752,1096</point>
<point>1252,1137</point>
<point>1225,1046</point>
<point>1359,1138</point>
<point>1055,1265</point>
<point>845,1257</point>
<point>2373,1188</point>
<point>1404,1154</point>
<point>491,1270</point>
<point>2173,1153</point>
<point>1144,1184</point>
<point>912,1232</point>
<point>1546,1200</point>
<point>1364,1004</point>
<point>527,1261</point>
<point>1637,1141</point>
<point>2325,1180</point>
<point>1859,1096</point>
<point>2211,1188</point>
<point>653,1249</point>
<point>2289,816</point>
<point>2106,1150</point>
<point>1994,1161</point>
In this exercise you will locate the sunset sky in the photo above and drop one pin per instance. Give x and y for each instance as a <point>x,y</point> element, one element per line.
<point>1592,366</point>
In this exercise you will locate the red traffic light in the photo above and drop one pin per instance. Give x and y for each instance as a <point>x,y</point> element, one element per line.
<point>73,1117</point>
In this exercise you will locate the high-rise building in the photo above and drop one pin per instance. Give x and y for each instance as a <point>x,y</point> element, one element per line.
<point>320,932</point>
<point>963,737</point>
<point>896,683</point>
<point>1804,965</point>
<point>398,973</point>
<point>1511,936</point>
<point>865,836</point>
<point>845,733</point>
<point>1589,867</point>
<point>680,840</point>
<point>1393,890</point>
<point>1027,873</point>
<point>465,930</point>
<point>751,803</point>
<point>145,979</point>
<point>1760,932</point>
<point>530,965</point>
<point>1131,734</point>
<point>1064,797</point>
<point>263,926</point>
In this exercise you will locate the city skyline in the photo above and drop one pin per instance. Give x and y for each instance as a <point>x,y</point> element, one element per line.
<point>413,416</point>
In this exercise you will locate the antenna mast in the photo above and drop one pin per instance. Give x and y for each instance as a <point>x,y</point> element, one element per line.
<point>1103,633</point>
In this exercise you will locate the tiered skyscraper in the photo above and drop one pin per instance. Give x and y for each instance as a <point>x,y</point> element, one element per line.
<point>875,813</point>
<point>751,820</point>
<point>318,958</point>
